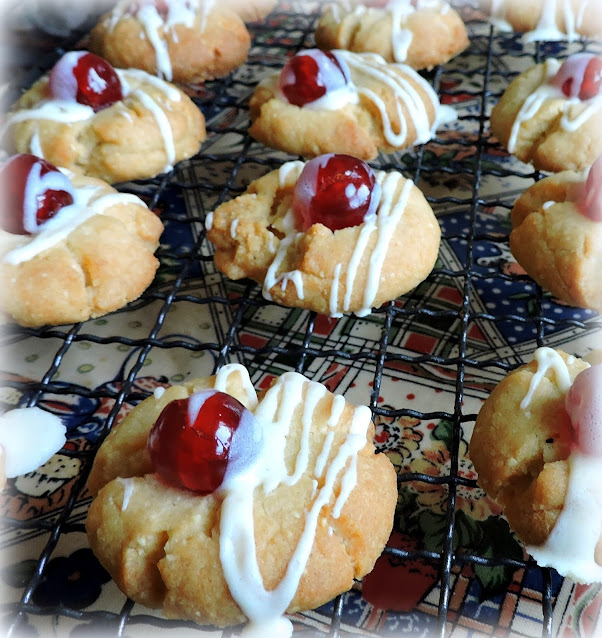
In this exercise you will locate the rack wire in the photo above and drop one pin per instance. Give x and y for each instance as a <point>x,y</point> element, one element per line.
<point>278,339</point>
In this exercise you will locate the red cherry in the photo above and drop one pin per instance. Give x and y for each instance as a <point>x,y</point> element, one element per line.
<point>590,87</point>
<point>34,191</point>
<point>590,202</point>
<point>335,190</point>
<point>192,440</point>
<point>579,76</point>
<point>85,78</point>
<point>309,75</point>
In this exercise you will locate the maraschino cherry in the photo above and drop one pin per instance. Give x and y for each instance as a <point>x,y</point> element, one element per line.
<point>335,190</point>
<point>86,78</point>
<point>579,76</point>
<point>34,191</point>
<point>590,202</point>
<point>192,441</point>
<point>309,75</point>
<point>583,403</point>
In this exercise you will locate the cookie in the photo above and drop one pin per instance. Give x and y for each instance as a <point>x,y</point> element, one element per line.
<point>178,40</point>
<point>557,240</point>
<point>71,246</point>
<point>329,235</point>
<point>551,114</point>
<point>303,508</point>
<point>421,36</point>
<point>537,447</point>
<point>344,102</point>
<point>547,20</point>
<point>127,125</point>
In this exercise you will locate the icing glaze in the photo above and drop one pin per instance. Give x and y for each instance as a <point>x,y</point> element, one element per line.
<point>71,112</point>
<point>547,359</point>
<point>569,121</point>
<point>384,221</point>
<point>164,127</point>
<point>290,394</point>
<point>406,96</point>
<point>18,428</point>
<point>571,545</point>
<point>158,392</point>
<point>86,204</point>
<point>546,28</point>
<point>400,10</point>
<point>128,490</point>
<point>160,29</point>
<point>583,404</point>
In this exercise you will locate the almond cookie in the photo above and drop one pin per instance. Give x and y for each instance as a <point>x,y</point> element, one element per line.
<point>178,40</point>
<point>537,447</point>
<point>557,235</point>
<point>329,235</point>
<point>344,102</point>
<point>421,34</point>
<point>113,124</point>
<point>547,19</point>
<point>279,498</point>
<point>551,115</point>
<point>71,246</point>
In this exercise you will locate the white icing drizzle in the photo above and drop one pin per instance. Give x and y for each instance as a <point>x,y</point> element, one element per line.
<point>70,112</point>
<point>68,218</point>
<point>35,146</point>
<point>401,38</point>
<point>128,490</point>
<point>21,427</point>
<point>388,217</point>
<point>384,221</point>
<point>290,393</point>
<point>294,276</point>
<point>233,226</point>
<point>570,546</point>
<point>164,127</point>
<point>158,392</point>
<point>334,293</point>
<point>547,359</point>
<point>287,169</point>
<point>547,91</point>
<point>572,542</point>
<point>405,96</point>
<point>169,90</point>
<point>153,23</point>
<point>160,30</point>
<point>338,405</point>
<point>546,29</point>
<point>221,382</point>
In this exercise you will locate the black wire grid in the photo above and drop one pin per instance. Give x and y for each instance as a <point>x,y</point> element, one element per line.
<point>287,31</point>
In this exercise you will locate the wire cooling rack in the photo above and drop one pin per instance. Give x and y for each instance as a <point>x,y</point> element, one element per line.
<point>474,318</point>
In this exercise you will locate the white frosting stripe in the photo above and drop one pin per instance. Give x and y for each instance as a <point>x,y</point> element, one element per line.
<point>571,544</point>
<point>547,359</point>
<point>291,393</point>
<point>163,124</point>
<point>546,91</point>
<point>223,375</point>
